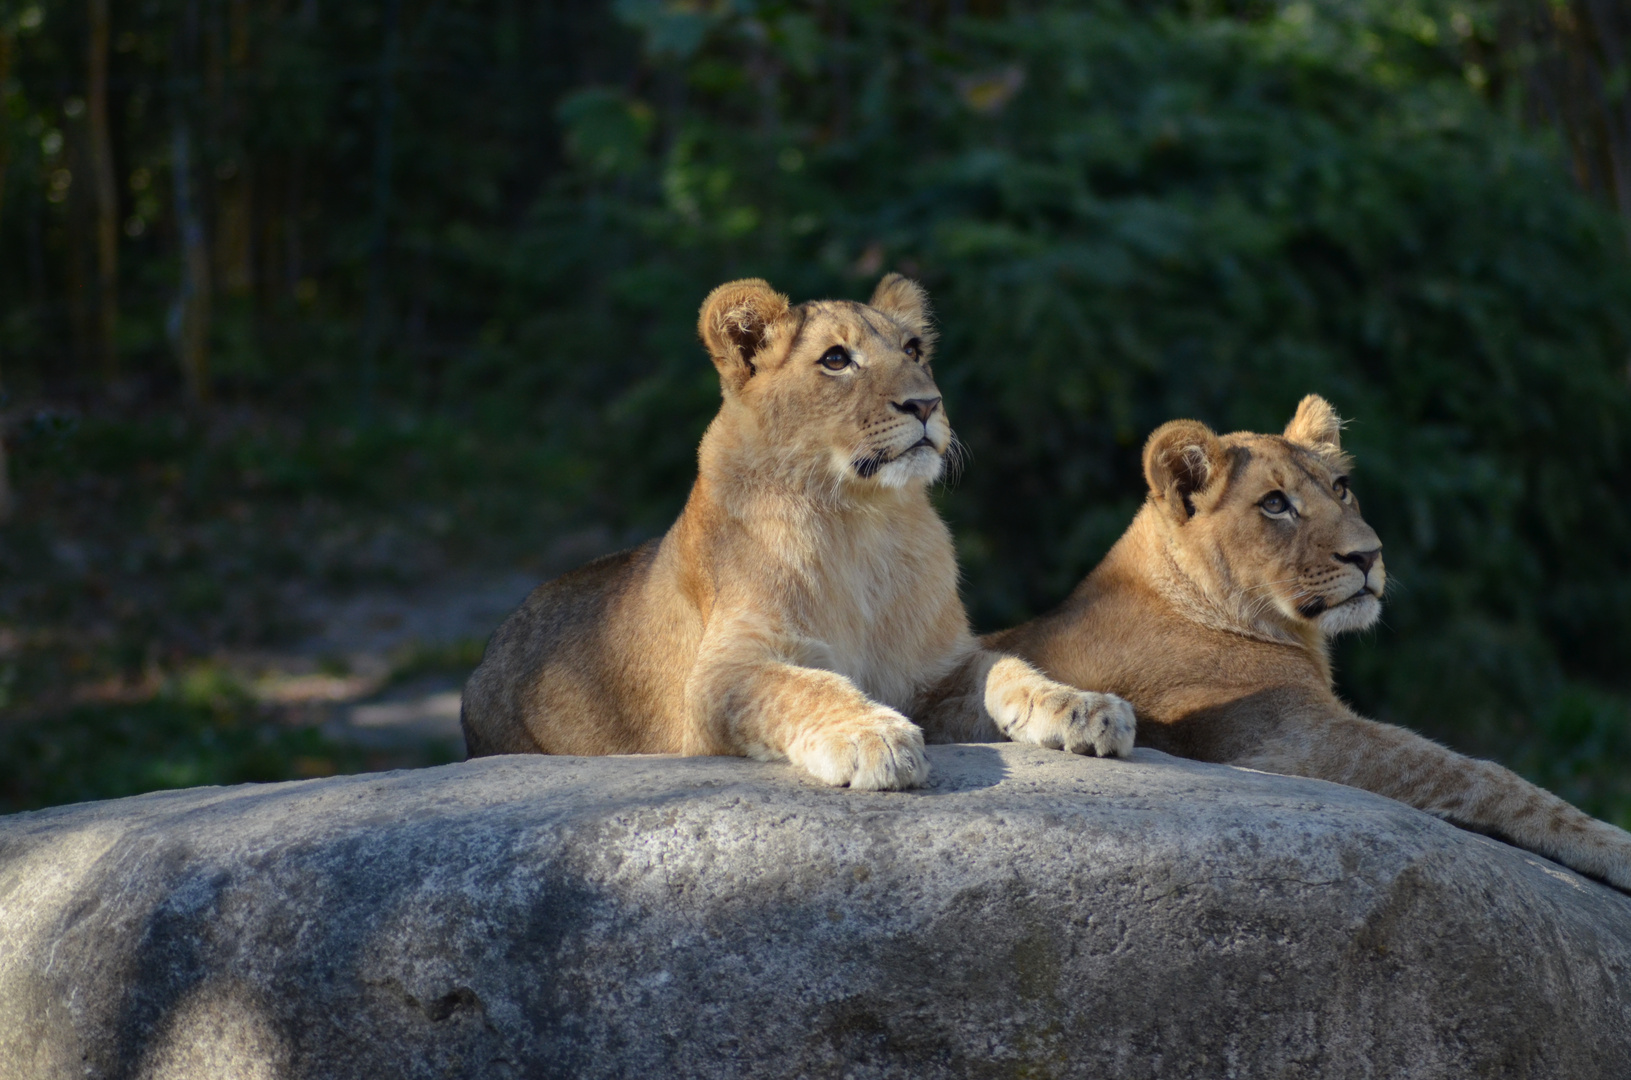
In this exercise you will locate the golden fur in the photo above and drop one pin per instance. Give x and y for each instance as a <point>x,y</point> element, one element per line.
<point>1212,615</point>
<point>805,603</point>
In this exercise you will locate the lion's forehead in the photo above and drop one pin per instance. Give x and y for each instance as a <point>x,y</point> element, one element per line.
<point>849,323</point>
<point>1268,461</point>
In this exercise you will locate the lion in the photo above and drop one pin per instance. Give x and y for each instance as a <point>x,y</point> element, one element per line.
<point>1213,614</point>
<point>805,603</point>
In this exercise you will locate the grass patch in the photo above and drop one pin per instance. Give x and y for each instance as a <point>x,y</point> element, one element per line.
<point>420,659</point>
<point>106,751</point>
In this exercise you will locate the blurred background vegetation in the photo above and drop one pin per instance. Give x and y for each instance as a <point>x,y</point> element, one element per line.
<point>300,297</point>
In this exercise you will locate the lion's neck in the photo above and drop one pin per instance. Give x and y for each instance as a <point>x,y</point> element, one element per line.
<point>1201,591</point>
<point>816,528</point>
<point>867,585</point>
<point>761,499</point>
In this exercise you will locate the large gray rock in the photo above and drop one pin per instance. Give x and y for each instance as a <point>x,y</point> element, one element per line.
<point>1029,914</point>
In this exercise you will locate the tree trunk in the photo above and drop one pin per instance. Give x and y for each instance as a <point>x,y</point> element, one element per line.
<point>5,129</point>
<point>77,230</point>
<point>106,193</point>
<point>6,499</point>
<point>1573,59</point>
<point>1606,33</point>
<point>190,318</point>
<point>379,231</point>
<point>192,314</point>
<point>234,234</point>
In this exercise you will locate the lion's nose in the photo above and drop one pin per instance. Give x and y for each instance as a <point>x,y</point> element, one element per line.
<point>920,407</point>
<point>1362,559</point>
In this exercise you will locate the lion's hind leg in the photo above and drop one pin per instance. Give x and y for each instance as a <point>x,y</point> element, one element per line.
<point>1477,795</point>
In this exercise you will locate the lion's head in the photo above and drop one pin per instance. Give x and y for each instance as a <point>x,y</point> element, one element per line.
<point>829,394</point>
<point>1267,525</point>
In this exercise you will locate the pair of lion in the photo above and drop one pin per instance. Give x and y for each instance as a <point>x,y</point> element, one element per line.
<point>805,604</point>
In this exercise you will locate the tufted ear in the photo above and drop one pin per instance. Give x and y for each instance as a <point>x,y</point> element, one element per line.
<point>904,299</point>
<point>734,321</point>
<point>1181,459</point>
<point>1316,424</point>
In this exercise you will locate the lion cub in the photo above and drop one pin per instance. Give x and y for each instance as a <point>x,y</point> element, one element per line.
<point>1212,615</point>
<point>805,603</point>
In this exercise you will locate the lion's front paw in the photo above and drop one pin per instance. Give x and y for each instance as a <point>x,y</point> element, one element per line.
<point>879,751</point>
<point>1082,722</point>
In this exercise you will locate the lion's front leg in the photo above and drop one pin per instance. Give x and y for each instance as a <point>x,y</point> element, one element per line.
<point>744,700</point>
<point>991,692</point>
<point>1029,707</point>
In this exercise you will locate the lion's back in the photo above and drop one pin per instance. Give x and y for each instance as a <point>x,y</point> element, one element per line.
<point>547,682</point>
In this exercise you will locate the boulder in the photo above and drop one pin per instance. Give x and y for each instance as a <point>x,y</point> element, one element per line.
<point>1028,914</point>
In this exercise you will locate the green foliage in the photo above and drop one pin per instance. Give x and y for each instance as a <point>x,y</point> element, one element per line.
<point>1578,747</point>
<point>198,733</point>
<point>1126,216</point>
<point>1125,213</point>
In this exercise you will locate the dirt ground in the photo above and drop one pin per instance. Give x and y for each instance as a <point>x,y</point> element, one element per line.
<point>353,674</point>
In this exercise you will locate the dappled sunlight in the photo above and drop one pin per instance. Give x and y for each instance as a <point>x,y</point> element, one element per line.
<point>218,1031</point>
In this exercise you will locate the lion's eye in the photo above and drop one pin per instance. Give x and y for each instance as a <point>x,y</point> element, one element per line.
<point>1275,502</point>
<point>913,348</point>
<point>836,358</point>
<point>1341,486</point>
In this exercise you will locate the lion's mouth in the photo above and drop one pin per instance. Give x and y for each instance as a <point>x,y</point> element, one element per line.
<point>868,466</point>
<point>1309,609</point>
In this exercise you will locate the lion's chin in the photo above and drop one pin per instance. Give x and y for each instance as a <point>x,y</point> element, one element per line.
<point>921,463</point>
<point>1358,612</point>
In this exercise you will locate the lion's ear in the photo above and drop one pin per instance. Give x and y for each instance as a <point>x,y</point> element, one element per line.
<point>1182,459</point>
<point>734,321</point>
<point>904,299</point>
<point>1316,424</point>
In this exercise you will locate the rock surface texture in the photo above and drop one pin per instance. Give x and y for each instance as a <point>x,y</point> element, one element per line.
<point>1029,914</point>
